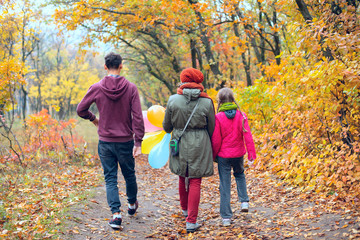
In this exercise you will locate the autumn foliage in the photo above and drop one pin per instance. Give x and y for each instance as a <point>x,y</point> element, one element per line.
<point>55,170</point>
<point>300,133</point>
<point>51,137</point>
<point>11,68</point>
<point>307,119</point>
<point>294,66</point>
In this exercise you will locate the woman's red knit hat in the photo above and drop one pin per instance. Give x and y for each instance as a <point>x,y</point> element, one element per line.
<point>191,75</point>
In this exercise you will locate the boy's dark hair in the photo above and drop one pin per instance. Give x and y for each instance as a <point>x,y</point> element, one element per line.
<point>113,60</point>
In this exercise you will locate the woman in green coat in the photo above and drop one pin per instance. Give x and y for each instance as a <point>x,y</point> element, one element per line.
<point>195,159</point>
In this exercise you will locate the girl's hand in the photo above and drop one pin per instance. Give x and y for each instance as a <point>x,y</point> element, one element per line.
<point>251,163</point>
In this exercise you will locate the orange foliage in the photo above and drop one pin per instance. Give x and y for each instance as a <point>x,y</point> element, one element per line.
<point>55,174</point>
<point>305,112</point>
<point>46,135</point>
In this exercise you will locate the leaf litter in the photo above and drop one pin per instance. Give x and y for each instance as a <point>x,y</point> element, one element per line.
<point>277,211</point>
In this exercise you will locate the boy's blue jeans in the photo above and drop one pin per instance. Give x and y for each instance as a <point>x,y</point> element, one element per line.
<point>224,167</point>
<point>113,154</point>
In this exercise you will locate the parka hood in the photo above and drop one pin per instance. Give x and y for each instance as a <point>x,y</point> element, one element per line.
<point>114,87</point>
<point>191,94</point>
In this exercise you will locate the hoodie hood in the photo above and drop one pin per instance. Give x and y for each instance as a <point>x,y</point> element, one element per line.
<point>114,87</point>
<point>191,94</point>
<point>230,114</point>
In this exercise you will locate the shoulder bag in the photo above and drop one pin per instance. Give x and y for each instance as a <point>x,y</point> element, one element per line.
<point>174,143</point>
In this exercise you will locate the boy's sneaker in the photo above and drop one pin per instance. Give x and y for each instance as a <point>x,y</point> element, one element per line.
<point>244,206</point>
<point>185,213</point>
<point>132,209</point>
<point>115,222</point>
<point>192,227</point>
<point>226,222</point>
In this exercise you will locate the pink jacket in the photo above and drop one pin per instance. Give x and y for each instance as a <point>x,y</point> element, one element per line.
<point>229,139</point>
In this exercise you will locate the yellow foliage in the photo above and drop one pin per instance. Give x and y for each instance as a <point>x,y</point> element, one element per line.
<point>12,69</point>
<point>67,84</point>
<point>304,122</point>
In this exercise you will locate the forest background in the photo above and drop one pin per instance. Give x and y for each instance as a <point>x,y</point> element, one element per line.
<point>293,65</point>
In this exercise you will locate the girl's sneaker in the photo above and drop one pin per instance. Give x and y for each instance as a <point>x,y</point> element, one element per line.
<point>244,206</point>
<point>185,213</point>
<point>226,222</point>
<point>132,209</point>
<point>115,222</point>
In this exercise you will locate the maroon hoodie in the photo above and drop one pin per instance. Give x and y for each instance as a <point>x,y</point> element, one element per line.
<point>119,107</point>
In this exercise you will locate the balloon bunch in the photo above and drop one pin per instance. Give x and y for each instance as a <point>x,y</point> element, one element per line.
<point>156,140</point>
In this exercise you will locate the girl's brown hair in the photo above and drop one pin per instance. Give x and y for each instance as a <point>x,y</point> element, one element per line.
<point>225,95</point>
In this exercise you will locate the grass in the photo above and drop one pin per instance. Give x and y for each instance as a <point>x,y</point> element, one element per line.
<point>35,199</point>
<point>17,129</point>
<point>88,132</point>
<point>83,128</point>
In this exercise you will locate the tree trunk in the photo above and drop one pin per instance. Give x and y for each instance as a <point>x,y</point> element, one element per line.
<point>68,110</point>
<point>259,50</point>
<point>214,65</point>
<point>61,112</point>
<point>24,101</point>
<point>304,10</point>
<point>308,18</point>
<point>150,66</point>
<point>39,104</point>
<point>199,58</point>
<point>276,39</point>
<point>262,41</point>
<point>193,52</point>
<point>247,69</point>
<point>245,63</point>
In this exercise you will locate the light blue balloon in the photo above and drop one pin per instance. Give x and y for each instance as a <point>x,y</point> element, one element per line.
<point>159,155</point>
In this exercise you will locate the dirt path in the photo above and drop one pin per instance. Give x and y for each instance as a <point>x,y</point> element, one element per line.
<point>276,212</point>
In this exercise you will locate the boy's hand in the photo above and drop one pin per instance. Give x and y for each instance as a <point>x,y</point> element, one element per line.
<point>96,122</point>
<point>136,151</point>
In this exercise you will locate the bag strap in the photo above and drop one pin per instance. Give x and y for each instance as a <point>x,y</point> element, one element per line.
<point>187,123</point>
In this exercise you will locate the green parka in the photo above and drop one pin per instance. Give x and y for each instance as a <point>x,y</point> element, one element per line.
<point>195,152</point>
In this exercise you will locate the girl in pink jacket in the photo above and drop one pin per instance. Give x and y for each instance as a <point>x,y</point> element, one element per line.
<point>231,135</point>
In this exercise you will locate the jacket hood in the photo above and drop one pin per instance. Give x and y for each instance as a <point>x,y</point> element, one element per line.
<point>191,94</point>
<point>114,87</point>
<point>230,114</point>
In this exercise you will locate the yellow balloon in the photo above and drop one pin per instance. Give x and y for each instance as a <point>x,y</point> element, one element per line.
<point>150,140</point>
<point>155,115</point>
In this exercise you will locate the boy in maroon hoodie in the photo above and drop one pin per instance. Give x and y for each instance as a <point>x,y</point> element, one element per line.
<point>120,128</point>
